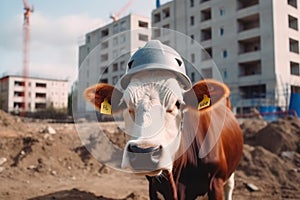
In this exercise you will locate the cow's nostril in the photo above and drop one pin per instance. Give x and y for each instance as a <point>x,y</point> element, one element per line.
<point>156,154</point>
<point>133,148</point>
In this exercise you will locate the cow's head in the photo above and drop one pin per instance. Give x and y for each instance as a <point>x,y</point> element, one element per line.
<point>153,102</point>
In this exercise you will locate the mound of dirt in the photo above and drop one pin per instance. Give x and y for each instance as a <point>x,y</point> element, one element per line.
<point>39,165</point>
<point>278,136</point>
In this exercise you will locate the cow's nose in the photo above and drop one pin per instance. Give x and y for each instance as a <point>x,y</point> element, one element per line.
<point>144,158</point>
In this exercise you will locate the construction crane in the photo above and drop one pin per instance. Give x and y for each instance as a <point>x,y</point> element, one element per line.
<point>117,15</point>
<point>26,41</point>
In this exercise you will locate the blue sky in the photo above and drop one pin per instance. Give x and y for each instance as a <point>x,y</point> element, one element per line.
<point>57,27</point>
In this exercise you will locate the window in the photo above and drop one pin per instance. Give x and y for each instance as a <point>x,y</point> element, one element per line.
<point>115,28</point>
<point>166,13</point>
<point>143,37</point>
<point>294,68</point>
<point>206,34</point>
<point>115,41</point>
<point>18,94</point>
<point>249,45</point>
<point>293,22</point>
<point>292,3</point>
<point>157,17</point>
<point>253,91</point>
<point>225,74</point>
<point>249,22</point>
<point>40,85</point>
<point>206,54</point>
<point>104,57</point>
<point>143,24</point>
<point>104,70</point>
<point>115,67</point>
<point>115,79</point>
<point>193,77</point>
<point>295,89</point>
<point>205,14</point>
<point>192,20</point>
<point>221,31</point>
<point>193,58</point>
<point>250,68</point>
<point>122,65</point>
<point>123,26</point>
<point>40,105</point>
<point>40,95</point>
<point>222,11</point>
<point>294,45</point>
<point>225,54</point>
<point>19,83</point>
<point>192,39</point>
<point>165,29</point>
<point>104,32</point>
<point>156,33</point>
<point>88,39</point>
<point>192,3</point>
<point>104,45</point>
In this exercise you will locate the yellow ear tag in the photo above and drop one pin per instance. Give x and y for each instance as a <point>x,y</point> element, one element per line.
<point>204,103</point>
<point>105,107</point>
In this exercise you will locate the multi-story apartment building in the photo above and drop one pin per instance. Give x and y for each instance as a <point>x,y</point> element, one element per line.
<point>104,56</point>
<point>32,94</point>
<point>254,44</point>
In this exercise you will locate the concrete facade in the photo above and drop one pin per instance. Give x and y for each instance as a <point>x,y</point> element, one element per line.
<point>254,44</point>
<point>104,56</point>
<point>36,93</point>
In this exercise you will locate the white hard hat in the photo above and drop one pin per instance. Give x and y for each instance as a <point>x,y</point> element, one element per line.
<point>156,56</point>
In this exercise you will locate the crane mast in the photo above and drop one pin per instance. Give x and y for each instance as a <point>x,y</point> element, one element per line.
<point>26,41</point>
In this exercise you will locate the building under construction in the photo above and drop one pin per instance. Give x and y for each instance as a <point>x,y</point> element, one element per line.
<point>255,45</point>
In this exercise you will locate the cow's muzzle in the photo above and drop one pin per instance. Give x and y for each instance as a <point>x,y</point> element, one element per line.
<point>144,159</point>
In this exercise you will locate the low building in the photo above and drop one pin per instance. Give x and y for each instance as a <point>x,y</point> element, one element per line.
<point>32,94</point>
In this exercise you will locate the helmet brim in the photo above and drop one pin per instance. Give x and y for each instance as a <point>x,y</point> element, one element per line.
<point>181,78</point>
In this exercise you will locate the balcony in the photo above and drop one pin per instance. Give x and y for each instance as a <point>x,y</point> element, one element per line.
<point>205,14</point>
<point>249,45</point>
<point>248,23</point>
<point>206,34</point>
<point>250,68</point>
<point>242,4</point>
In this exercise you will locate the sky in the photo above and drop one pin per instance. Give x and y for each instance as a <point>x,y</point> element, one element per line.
<point>57,28</point>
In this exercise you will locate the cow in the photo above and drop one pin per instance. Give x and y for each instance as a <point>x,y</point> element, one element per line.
<point>184,138</point>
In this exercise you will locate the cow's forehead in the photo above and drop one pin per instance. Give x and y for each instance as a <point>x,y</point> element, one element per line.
<point>156,85</point>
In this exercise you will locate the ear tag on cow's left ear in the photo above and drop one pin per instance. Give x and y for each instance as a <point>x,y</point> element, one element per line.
<point>204,103</point>
<point>105,107</point>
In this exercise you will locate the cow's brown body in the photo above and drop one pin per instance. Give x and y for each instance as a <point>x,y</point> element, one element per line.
<point>194,176</point>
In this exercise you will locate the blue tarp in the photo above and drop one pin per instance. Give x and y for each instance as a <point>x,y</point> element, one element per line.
<point>295,103</point>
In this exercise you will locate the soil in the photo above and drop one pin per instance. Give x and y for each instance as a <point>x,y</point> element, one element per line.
<point>38,165</point>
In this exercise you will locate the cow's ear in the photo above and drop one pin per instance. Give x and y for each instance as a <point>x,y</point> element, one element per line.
<point>106,98</point>
<point>206,94</point>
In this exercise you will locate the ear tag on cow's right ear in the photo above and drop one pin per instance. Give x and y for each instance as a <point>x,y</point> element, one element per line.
<point>204,103</point>
<point>105,107</point>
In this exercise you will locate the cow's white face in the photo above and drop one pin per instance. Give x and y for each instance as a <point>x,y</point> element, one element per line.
<point>153,120</point>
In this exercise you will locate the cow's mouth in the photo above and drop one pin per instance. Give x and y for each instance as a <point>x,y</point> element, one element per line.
<point>144,158</point>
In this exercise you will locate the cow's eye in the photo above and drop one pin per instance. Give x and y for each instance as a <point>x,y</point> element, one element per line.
<point>175,107</point>
<point>177,104</point>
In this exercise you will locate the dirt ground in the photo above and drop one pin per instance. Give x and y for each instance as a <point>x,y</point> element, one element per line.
<point>38,165</point>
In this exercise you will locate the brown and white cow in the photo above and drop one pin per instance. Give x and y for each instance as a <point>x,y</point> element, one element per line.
<point>185,149</point>
<point>184,139</point>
